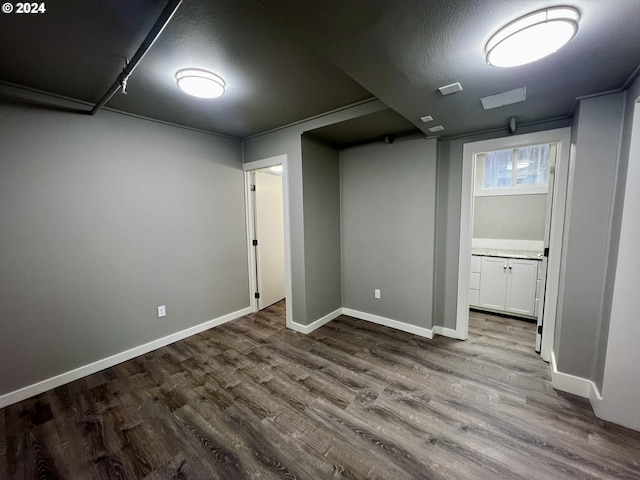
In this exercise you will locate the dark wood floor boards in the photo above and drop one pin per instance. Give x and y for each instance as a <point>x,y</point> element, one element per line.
<point>352,400</point>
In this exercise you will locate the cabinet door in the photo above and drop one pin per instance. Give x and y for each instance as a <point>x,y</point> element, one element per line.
<point>521,287</point>
<point>493,282</point>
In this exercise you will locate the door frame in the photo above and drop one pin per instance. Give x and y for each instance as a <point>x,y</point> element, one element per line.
<point>251,257</point>
<point>563,137</point>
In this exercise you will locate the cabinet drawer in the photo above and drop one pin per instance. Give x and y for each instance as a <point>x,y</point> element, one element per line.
<point>474,297</point>
<point>475,264</point>
<point>474,281</point>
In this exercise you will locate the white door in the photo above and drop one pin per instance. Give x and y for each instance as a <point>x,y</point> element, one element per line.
<point>269,228</point>
<point>547,236</point>
<point>521,286</point>
<point>493,282</point>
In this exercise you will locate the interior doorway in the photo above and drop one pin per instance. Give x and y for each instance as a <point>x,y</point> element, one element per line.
<point>551,244</point>
<point>267,218</point>
<point>265,189</point>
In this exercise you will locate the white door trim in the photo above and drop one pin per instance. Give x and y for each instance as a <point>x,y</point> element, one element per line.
<point>563,137</point>
<point>257,165</point>
<point>251,234</point>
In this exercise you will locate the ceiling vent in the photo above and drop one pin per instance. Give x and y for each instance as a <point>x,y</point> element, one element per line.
<point>504,98</point>
<point>437,128</point>
<point>449,89</point>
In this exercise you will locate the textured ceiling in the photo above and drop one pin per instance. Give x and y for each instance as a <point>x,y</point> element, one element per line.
<point>77,49</point>
<point>402,51</point>
<point>287,60</point>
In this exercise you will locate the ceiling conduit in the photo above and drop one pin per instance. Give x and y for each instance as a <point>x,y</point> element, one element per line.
<point>158,27</point>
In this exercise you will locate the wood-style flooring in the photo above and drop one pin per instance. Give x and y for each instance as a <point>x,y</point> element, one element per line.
<point>353,400</point>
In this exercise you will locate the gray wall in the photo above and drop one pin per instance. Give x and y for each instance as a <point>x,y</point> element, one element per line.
<point>287,141</point>
<point>388,229</point>
<point>592,181</point>
<point>621,378</point>
<point>449,189</point>
<point>103,219</point>
<point>321,194</point>
<point>515,217</point>
<point>632,94</point>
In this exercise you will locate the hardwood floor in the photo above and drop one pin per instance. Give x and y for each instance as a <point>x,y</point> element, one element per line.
<point>353,400</point>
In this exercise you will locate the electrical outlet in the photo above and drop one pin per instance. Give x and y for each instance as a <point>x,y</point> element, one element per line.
<point>162,311</point>
<point>376,293</point>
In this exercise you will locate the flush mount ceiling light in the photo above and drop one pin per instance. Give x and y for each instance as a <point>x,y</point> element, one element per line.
<point>532,37</point>
<point>200,83</point>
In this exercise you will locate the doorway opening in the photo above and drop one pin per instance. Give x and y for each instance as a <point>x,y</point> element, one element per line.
<point>499,281</point>
<point>267,218</point>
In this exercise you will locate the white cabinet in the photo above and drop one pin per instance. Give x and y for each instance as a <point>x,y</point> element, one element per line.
<point>521,286</point>
<point>493,283</point>
<point>474,281</point>
<point>508,285</point>
<point>540,285</point>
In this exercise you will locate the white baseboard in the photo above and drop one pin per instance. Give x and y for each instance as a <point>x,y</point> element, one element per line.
<point>595,399</point>
<point>405,327</point>
<point>59,380</point>
<point>388,322</point>
<point>447,332</point>
<point>582,387</point>
<point>306,329</point>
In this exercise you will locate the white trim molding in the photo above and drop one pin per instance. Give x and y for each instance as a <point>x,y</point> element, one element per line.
<point>257,165</point>
<point>369,317</point>
<point>306,329</point>
<point>447,332</point>
<point>595,399</point>
<point>388,322</point>
<point>579,386</point>
<point>80,372</point>
<point>265,163</point>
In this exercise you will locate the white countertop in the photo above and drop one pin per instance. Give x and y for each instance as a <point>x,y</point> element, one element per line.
<point>495,252</point>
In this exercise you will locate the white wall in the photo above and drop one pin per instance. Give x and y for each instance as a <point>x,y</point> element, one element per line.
<point>621,387</point>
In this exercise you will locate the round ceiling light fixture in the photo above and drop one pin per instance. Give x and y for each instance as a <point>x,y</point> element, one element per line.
<point>532,37</point>
<point>200,83</point>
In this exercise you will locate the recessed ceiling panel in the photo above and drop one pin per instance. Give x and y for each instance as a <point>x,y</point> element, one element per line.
<point>375,126</point>
<point>504,98</point>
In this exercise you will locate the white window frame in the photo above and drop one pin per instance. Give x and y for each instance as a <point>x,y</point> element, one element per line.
<point>538,189</point>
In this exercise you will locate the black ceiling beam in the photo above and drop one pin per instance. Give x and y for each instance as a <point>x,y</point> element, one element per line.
<point>164,18</point>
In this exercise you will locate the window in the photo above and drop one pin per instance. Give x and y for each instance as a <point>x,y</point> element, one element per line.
<point>514,170</point>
